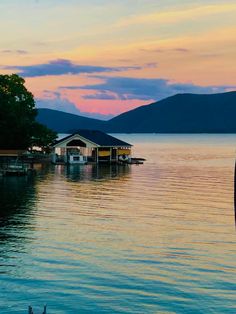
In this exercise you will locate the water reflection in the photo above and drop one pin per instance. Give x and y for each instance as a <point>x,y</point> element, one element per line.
<point>92,172</point>
<point>16,212</point>
<point>235,194</point>
<point>19,196</point>
<point>16,193</point>
<point>155,238</point>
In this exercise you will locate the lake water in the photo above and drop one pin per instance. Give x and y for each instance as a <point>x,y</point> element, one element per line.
<point>153,238</point>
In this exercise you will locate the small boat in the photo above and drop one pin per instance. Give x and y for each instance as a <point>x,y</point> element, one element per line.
<point>136,161</point>
<point>132,160</point>
<point>77,159</point>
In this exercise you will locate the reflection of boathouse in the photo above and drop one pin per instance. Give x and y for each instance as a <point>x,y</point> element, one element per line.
<point>90,146</point>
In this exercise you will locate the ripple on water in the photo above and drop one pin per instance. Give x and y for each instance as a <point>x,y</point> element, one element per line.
<point>156,238</point>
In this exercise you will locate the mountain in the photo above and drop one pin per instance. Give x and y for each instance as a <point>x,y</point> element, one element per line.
<point>182,113</point>
<point>63,122</point>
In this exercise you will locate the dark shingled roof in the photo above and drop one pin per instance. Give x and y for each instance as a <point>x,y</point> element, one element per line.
<point>97,137</point>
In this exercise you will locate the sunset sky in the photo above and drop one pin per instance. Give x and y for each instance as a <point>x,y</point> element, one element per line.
<point>100,58</point>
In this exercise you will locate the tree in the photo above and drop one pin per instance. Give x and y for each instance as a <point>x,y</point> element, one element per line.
<point>18,128</point>
<point>42,136</point>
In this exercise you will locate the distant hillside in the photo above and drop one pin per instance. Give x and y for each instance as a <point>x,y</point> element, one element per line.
<point>182,113</point>
<point>63,122</point>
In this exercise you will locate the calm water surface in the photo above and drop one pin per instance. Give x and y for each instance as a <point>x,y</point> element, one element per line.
<point>154,238</point>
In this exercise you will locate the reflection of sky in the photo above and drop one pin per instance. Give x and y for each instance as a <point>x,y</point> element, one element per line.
<point>154,238</point>
<point>106,57</point>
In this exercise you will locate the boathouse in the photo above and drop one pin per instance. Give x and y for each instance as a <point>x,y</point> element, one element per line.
<point>90,146</point>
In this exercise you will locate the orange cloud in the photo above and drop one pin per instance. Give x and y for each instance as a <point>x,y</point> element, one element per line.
<point>175,16</point>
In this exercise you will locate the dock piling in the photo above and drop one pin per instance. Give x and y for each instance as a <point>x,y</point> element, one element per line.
<point>30,309</point>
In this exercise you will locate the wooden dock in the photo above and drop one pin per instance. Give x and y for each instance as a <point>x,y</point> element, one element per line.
<point>15,169</point>
<point>132,161</point>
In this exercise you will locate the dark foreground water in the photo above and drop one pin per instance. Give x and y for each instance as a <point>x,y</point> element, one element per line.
<point>155,238</point>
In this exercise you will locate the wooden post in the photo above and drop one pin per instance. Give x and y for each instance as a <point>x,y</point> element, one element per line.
<point>97,155</point>
<point>30,311</point>
<point>67,157</point>
<point>117,155</point>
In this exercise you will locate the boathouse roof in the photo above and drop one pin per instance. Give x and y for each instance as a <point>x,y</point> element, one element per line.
<point>98,137</point>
